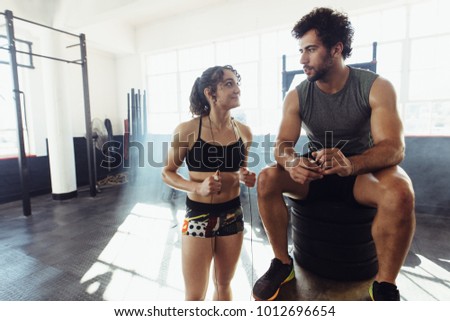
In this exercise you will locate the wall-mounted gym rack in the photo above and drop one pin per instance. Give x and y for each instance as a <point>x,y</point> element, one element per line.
<point>13,51</point>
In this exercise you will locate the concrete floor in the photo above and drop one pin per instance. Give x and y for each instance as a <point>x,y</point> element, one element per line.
<point>125,245</point>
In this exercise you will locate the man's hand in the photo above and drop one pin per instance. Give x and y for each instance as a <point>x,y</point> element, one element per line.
<point>333,161</point>
<point>304,170</point>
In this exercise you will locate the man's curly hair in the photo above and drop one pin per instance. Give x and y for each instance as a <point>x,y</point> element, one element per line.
<point>331,27</point>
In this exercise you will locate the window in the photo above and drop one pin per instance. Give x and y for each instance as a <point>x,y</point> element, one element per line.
<point>170,77</point>
<point>412,45</point>
<point>427,105</point>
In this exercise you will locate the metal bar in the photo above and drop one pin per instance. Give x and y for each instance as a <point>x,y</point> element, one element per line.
<point>23,166</point>
<point>31,57</point>
<point>19,65</point>
<point>283,84</point>
<point>139,114</point>
<point>17,40</point>
<point>87,117</point>
<point>365,65</point>
<point>48,27</point>
<point>29,44</point>
<point>49,57</point>
<point>145,116</point>
<point>133,115</point>
<point>74,45</point>
<point>374,56</point>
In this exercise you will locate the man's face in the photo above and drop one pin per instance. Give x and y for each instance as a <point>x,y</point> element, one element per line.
<point>314,56</point>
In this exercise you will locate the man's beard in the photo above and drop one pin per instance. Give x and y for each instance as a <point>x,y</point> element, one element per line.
<point>322,70</point>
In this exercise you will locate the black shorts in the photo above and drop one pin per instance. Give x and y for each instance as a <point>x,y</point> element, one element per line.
<point>210,220</point>
<point>332,188</point>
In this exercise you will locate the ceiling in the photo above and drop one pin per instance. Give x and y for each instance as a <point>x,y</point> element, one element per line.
<point>109,24</point>
<point>82,13</point>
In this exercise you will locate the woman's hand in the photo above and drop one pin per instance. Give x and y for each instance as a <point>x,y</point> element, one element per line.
<point>211,185</point>
<point>247,177</point>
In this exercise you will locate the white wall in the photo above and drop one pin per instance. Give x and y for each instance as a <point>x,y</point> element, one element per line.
<point>102,84</point>
<point>235,18</point>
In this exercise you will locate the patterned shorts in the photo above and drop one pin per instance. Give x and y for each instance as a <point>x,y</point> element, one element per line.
<point>210,220</point>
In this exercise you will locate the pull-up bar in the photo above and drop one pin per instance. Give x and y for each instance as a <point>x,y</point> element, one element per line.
<point>78,61</point>
<point>48,27</point>
<point>23,166</point>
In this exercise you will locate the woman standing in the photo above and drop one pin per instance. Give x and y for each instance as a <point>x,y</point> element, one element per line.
<point>215,147</point>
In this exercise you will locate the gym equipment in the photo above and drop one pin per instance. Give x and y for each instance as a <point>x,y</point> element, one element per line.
<point>99,138</point>
<point>135,128</point>
<point>334,239</point>
<point>13,51</point>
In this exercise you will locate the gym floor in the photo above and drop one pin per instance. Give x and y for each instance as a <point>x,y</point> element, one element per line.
<point>124,245</point>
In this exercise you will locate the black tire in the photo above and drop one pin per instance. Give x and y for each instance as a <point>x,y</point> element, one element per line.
<point>334,240</point>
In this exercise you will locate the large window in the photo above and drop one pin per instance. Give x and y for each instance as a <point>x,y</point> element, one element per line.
<point>170,77</point>
<point>413,42</point>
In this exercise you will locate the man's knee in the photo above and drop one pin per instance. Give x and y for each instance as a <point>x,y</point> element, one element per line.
<point>268,181</point>
<point>399,195</point>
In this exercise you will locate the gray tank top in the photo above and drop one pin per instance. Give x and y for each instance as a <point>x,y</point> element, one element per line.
<point>338,120</point>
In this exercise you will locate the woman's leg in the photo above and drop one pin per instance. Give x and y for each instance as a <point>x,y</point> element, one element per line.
<point>196,262</point>
<point>227,253</point>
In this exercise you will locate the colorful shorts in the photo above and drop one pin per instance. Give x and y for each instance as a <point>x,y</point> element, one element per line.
<point>210,220</point>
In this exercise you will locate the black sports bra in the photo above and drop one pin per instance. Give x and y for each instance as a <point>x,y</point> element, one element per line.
<point>205,157</point>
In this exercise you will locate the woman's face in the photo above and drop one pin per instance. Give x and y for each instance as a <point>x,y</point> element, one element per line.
<point>228,91</point>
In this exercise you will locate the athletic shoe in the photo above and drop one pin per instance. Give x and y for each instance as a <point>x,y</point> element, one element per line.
<point>268,286</point>
<point>384,291</point>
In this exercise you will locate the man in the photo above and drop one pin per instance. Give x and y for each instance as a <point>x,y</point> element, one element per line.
<point>358,109</point>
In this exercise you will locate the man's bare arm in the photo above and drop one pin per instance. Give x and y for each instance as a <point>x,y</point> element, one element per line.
<point>300,169</point>
<point>386,129</point>
<point>289,131</point>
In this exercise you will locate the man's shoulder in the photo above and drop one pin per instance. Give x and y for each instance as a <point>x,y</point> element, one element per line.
<point>362,73</point>
<point>362,79</point>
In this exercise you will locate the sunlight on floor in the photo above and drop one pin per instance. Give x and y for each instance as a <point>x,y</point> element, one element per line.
<point>423,280</point>
<point>142,261</point>
<point>143,257</point>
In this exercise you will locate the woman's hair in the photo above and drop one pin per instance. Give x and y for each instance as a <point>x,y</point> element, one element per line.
<point>331,27</point>
<point>210,78</point>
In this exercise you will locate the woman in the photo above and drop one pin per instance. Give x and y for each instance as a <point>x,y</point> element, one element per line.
<point>214,146</point>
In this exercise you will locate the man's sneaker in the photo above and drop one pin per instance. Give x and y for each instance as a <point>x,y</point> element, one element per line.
<point>384,291</point>
<point>267,287</point>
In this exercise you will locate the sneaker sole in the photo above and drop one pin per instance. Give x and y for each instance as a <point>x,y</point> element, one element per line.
<point>371,292</point>
<point>273,297</point>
